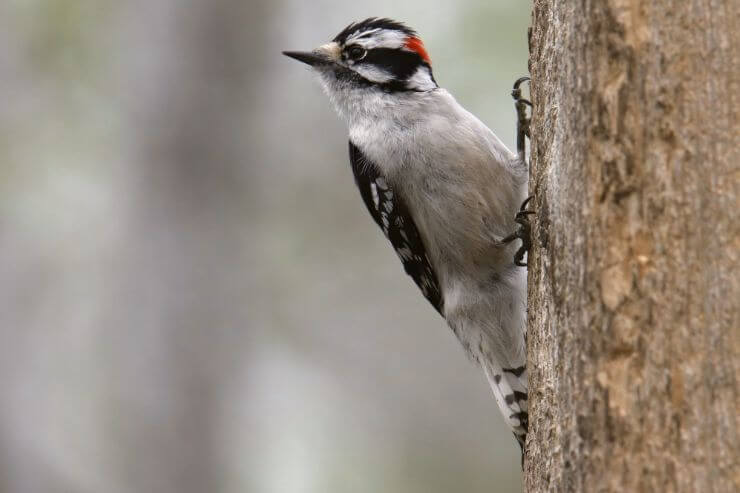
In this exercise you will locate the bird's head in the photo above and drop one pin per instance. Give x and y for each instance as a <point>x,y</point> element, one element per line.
<point>375,55</point>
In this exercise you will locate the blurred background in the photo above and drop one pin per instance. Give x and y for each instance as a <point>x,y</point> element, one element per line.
<point>193,296</point>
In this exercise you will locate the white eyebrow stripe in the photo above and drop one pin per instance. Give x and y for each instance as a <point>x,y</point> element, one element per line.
<point>363,34</point>
<point>381,38</point>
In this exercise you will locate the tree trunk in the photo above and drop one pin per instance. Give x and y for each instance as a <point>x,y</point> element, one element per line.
<point>633,278</point>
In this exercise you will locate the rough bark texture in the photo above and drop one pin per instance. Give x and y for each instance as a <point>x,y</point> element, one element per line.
<point>634,279</point>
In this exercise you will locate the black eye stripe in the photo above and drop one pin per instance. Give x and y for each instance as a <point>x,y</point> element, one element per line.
<point>402,64</point>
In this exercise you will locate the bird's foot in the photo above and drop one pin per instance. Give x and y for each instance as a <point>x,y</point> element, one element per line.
<point>522,119</point>
<point>523,232</point>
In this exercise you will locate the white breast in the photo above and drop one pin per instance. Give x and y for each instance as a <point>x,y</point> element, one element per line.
<point>463,187</point>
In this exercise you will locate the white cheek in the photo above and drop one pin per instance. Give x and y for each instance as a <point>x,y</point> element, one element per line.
<point>373,73</point>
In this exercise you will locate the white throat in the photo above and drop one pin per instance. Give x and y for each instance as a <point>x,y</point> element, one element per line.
<point>360,105</point>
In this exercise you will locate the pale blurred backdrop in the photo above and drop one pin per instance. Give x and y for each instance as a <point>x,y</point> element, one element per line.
<point>193,296</point>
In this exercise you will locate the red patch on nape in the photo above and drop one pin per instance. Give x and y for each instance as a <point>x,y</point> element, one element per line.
<point>415,45</point>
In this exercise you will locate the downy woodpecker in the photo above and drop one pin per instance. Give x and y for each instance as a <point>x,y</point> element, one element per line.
<point>444,190</point>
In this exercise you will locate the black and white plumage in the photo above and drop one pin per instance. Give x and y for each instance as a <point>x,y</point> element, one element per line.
<point>442,187</point>
<point>391,214</point>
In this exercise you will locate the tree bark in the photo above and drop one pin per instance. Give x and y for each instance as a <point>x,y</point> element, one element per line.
<point>633,278</point>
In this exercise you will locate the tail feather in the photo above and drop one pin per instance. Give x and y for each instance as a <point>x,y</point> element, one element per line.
<point>509,387</point>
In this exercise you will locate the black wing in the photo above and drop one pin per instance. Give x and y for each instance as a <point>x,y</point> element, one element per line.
<point>392,215</point>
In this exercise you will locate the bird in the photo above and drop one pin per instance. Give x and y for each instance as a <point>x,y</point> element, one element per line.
<point>443,188</point>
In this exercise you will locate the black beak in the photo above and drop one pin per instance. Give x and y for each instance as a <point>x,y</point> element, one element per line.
<point>308,57</point>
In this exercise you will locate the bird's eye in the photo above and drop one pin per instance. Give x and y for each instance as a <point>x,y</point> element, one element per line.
<point>357,52</point>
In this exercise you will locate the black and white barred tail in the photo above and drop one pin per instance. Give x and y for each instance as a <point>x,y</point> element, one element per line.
<point>509,387</point>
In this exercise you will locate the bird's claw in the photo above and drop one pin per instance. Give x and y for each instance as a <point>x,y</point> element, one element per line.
<point>523,232</point>
<point>523,121</point>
